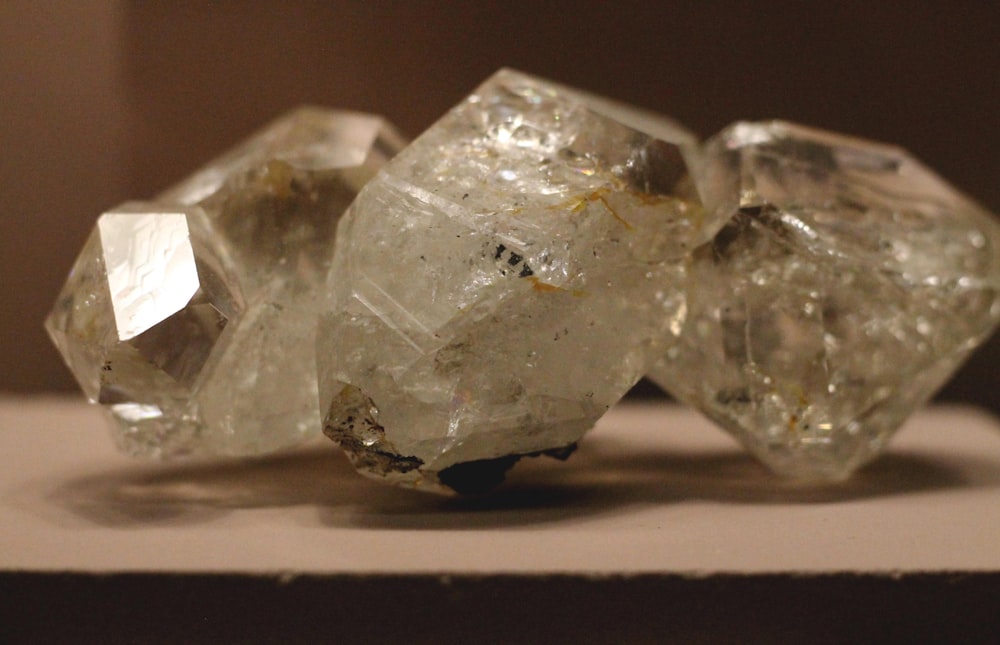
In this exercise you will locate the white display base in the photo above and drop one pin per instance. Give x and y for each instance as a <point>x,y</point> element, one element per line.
<point>653,489</point>
<point>659,528</point>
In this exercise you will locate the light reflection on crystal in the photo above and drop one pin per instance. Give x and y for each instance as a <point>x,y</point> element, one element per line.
<point>136,412</point>
<point>137,321</point>
<point>150,266</point>
<point>192,318</point>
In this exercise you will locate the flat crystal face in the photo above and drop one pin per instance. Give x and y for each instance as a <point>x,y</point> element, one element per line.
<point>847,286</point>
<point>506,279</point>
<point>144,310</point>
<point>192,319</point>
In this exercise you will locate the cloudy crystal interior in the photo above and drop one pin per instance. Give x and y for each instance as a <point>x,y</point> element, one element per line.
<point>847,286</point>
<point>505,280</point>
<point>192,318</point>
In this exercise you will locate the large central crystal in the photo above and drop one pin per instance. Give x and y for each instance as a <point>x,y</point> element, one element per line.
<point>848,285</point>
<point>192,319</point>
<point>504,281</point>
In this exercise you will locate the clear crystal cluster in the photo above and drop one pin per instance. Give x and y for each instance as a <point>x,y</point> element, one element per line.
<point>191,319</point>
<point>847,285</point>
<point>500,283</point>
<point>505,280</point>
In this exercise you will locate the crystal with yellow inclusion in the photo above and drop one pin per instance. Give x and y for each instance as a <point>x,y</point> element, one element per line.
<point>504,281</point>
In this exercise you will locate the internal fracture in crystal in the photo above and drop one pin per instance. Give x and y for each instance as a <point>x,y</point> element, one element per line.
<point>504,281</point>
<point>192,318</point>
<point>849,283</point>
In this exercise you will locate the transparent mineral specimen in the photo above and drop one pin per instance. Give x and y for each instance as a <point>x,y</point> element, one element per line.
<point>847,286</point>
<point>192,319</point>
<point>502,282</point>
<point>148,304</point>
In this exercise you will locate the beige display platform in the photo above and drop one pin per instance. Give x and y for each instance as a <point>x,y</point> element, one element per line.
<point>654,494</point>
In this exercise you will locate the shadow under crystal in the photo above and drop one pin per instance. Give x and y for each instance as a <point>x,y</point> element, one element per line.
<point>601,478</point>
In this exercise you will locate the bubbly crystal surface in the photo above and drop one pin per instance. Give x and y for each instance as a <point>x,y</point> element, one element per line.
<point>192,319</point>
<point>503,281</point>
<point>847,286</point>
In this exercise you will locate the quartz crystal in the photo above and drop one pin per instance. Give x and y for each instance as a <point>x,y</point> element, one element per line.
<point>148,306</point>
<point>504,281</point>
<point>848,284</point>
<point>192,319</point>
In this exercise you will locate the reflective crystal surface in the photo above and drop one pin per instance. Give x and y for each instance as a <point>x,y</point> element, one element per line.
<point>186,360</point>
<point>503,281</point>
<point>847,286</point>
<point>147,306</point>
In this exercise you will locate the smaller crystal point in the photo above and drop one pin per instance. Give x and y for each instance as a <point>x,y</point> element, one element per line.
<point>504,281</point>
<point>848,285</point>
<point>192,319</point>
<point>146,305</point>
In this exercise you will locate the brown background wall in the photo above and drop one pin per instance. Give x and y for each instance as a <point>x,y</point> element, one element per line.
<point>104,101</point>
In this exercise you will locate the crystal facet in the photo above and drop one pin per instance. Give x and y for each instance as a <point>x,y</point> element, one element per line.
<point>147,305</point>
<point>193,318</point>
<point>503,281</point>
<point>275,200</point>
<point>848,284</point>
